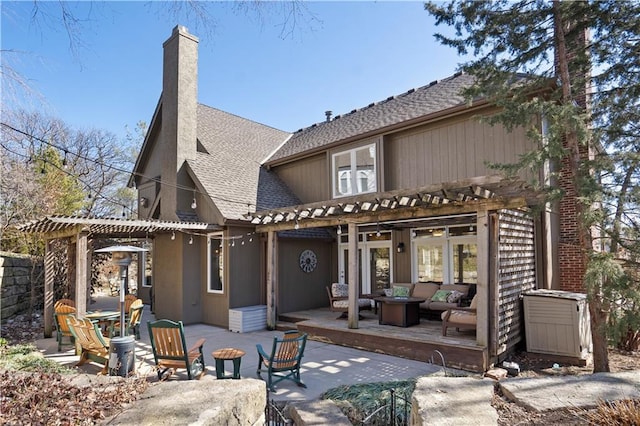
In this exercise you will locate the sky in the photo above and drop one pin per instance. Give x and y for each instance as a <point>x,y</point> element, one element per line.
<point>339,56</point>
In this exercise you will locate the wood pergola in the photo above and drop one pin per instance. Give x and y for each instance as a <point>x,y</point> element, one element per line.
<point>77,231</point>
<point>476,195</point>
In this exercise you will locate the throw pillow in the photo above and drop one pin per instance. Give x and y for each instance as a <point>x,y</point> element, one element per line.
<point>340,290</point>
<point>454,296</point>
<point>400,291</point>
<point>440,296</point>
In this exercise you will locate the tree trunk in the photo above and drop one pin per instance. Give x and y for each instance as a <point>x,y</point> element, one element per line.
<point>598,315</point>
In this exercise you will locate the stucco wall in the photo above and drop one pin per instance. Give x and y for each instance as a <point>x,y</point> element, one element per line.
<point>17,273</point>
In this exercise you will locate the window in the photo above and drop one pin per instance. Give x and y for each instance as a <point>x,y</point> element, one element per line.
<point>215,268</point>
<point>354,171</point>
<point>446,254</point>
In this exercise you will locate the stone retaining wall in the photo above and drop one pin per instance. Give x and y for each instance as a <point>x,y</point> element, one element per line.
<point>16,272</point>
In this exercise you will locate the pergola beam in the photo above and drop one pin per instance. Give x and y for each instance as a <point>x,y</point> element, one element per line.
<point>403,213</point>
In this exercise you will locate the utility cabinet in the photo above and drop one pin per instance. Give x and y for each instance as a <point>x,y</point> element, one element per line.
<point>248,318</point>
<point>557,322</point>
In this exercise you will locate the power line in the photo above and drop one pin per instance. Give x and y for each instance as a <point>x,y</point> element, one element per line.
<point>98,194</point>
<point>118,169</point>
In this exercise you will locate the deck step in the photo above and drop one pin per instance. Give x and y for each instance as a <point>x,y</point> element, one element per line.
<point>286,326</point>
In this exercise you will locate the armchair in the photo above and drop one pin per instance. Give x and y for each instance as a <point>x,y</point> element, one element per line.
<point>61,313</point>
<point>460,318</point>
<point>132,321</point>
<point>170,349</point>
<point>284,360</point>
<point>339,300</point>
<point>93,345</point>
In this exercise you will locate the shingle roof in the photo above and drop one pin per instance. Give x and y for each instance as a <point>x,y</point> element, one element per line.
<point>429,99</point>
<point>230,171</point>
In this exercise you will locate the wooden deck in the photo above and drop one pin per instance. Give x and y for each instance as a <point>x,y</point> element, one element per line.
<point>419,342</point>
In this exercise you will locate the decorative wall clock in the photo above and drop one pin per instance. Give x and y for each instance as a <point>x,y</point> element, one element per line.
<point>308,261</point>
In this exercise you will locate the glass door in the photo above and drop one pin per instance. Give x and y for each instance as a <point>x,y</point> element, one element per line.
<point>430,261</point>
<point>379,269</point>
<point>374,262</point>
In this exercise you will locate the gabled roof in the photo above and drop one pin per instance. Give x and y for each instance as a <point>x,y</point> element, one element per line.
<point>230,171</point>
<point>430,99</point>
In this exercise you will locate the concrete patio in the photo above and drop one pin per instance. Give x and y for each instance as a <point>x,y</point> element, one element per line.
<point>325,366</point>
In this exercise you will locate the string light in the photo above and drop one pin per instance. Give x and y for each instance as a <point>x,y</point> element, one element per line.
<point>173,235</point>
<point>339,231</point>
<point>297,225</point>
<point>378,229</point>
<point>111,167</point>
<point>194,205</point>
<point>191,239</point>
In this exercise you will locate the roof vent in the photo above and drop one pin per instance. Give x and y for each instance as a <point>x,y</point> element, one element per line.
<point>328,115</point>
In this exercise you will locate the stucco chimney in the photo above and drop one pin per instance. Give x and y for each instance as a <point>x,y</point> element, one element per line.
<point>179,117</point>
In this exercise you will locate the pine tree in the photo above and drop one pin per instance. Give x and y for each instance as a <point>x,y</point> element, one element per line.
<point>576,64</point>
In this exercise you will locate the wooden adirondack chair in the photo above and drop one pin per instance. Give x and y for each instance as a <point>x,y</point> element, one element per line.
<point>93,345</point>
<point>285,359</point>
<point>128,300</point>
<point>67,302</point>
<point>61,313</point>
<point>170,349</point>
<point>133,321</point>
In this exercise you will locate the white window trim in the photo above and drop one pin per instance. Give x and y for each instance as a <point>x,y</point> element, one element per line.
<point>215,238</point>
<point>446,242</point>
<point>335,180</point>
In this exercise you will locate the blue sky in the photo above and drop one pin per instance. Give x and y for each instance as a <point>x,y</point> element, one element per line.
<point>340,56</point>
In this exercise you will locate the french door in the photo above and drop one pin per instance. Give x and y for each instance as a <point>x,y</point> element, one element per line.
<point>375,265</point>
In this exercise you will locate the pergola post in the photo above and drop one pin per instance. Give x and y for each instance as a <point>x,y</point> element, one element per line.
<point>354,287</point>
<point>48,289</point>
<point>482,289</point>
<point>272,279</point>
<point>81,274</point>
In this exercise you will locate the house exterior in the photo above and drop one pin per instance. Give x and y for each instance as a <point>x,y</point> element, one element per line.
<point>397,191</point>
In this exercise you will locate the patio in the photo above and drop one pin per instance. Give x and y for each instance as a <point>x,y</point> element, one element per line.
<point>325,365</point>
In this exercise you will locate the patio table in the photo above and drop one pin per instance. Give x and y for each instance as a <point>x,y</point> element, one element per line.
<point>399,311</point>
<point>105,319</point>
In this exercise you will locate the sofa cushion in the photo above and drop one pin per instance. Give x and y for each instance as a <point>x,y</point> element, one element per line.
<point>340,290</point>
<point>344,304</point>
<point>425,290</point>
<point>461,317</point>
<point>441,306</point>
<point>463,288</point>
